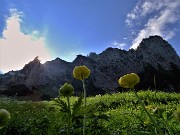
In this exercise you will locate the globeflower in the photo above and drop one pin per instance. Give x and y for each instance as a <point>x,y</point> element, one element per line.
<point>129,80</point>
<point>81,72</point>
<point>158,110</point>
<point>66,90</point>
<point>4,117</point>
<point>177,115</point>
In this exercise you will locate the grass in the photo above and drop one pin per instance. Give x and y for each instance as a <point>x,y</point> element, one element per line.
<point>125,114</point>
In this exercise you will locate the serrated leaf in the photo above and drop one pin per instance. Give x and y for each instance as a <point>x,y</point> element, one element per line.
<point>103,117</point>
<point>62,104</point>
<point>143,133</point>
<point>77,106</point>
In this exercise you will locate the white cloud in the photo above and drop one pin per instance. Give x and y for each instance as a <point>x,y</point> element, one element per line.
<point>119,45</point>
<point>159,15</point>
<point>17,48</point>
<point>131,16</point>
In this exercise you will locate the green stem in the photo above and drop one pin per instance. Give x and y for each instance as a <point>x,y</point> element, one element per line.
<point>155,86</point>
<point>69,117</point>
<point>84,127</point>
<point>5,131</point>
<point>149,115</point>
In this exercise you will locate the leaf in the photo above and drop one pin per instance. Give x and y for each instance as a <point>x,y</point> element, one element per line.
<point>169,115</point>
<point>62,104</point>
<point>103,117</point>
<point>143,133</point>
<point>64,118</point>
<point>77,106</point>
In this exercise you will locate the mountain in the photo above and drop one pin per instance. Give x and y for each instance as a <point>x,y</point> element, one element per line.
<point>1,72</point>
<point>154,59</point>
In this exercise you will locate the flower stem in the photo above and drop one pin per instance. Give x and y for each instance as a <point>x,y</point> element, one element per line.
<point>149,115</point>
<point>84,127</point>
<point>6,127</point>
<point>69,117</point>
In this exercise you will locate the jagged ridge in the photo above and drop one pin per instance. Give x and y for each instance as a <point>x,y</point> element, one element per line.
<point>153,57</point>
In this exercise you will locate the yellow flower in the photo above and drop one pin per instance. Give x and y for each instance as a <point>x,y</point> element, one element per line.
<point>66,90</point>
<point>129,80</point>
<point>4,117</point>
<point>81,72</point>
<point>177,114</point>
<point>158,110</point>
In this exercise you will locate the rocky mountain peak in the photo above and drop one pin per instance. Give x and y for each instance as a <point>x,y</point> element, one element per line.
<point>157,52</point>
<point>80,59</point>
<point>155,42</point>
<point>32,64</point>
<point>58,60</point>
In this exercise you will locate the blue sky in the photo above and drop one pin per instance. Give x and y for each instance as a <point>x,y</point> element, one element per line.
<point>66,28</point>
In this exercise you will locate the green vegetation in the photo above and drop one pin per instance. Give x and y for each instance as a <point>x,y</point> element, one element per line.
<point>130,113</point>
<point>114,114</point>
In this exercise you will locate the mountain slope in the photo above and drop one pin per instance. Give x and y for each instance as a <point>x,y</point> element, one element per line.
<point>154,58</point>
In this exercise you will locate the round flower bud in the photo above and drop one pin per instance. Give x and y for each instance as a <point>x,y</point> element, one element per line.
<point>129,80</point>
<point>66,90</point>
<point>81,72</point>
<point>4,117</point>
<point>177,114</point>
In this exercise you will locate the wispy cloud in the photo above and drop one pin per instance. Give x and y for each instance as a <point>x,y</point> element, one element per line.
<point>17,48</point>
<point>158,17</point>
<point>119,45</point>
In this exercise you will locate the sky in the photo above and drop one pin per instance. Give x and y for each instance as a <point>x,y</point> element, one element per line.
<point>67,28</point>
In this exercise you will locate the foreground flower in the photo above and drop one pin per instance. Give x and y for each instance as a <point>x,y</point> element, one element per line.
<point>66,90</point>
<point>177,115</point>
<point>81,72</point>
<point>4,117</point>
<point>129,80</point>
<point>158,110</point>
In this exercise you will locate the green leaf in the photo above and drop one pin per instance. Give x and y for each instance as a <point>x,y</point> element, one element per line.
<point>103,117</point>
<point>143,133</point>
<point>77,106</point>
<point>62,104</point>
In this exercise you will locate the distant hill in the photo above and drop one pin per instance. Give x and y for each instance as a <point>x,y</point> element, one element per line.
<point>154,58</point>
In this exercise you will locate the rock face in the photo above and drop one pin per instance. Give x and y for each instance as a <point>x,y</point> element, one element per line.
<point>154,59</point>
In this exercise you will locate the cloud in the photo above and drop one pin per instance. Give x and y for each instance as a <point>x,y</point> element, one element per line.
<point>119,45</point>
<point>17,48</point>
<point>158,17</point>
